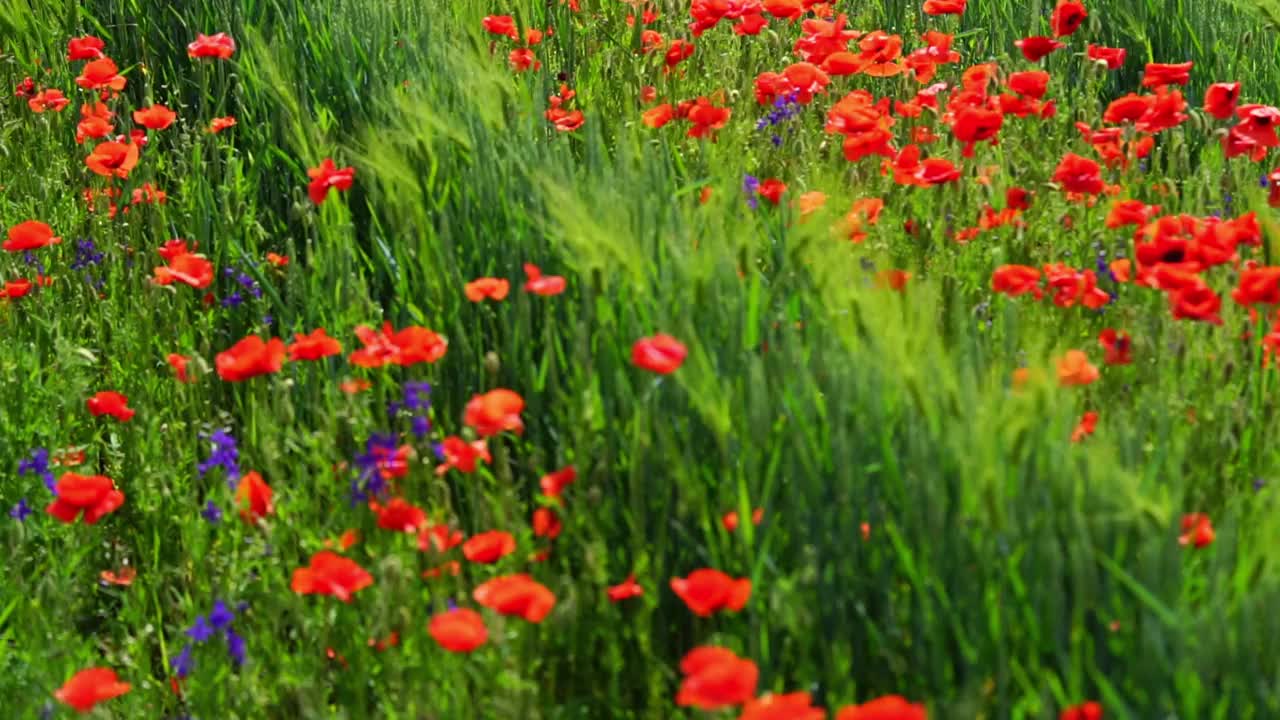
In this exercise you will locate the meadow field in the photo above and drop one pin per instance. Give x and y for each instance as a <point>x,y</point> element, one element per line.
<point>644,359</point>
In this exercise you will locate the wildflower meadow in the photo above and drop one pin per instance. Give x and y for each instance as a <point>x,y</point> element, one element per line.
<point>640,359</point>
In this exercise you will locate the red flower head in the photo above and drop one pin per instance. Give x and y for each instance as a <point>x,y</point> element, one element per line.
<point>495,412</point>
<point>1197,530</point>
<point>540,284</point>
<point>441,538</point>
<point>326,177</point>
<point>553,484</point>
<point>48,99</point>
<point>219,124</point>
<point>716,678</point>
<point>399,515</point>
<point>101,74</point>
<point>85,48</point>
<point>186,268</point>
<point>179,364</point>
<point>889,707</point>
<point>492,288</point>
<point>944,7</point>
<point>1015,280</point>
<point>1067,17</point>
<point>249,358</point>
<point>331,574</point>
<point>1083,711</point>
<point>409,346</point>
<point>460,631</point>
<point>1113,57</point>
<point>458,453</point>
<point>792,706</point>
<point>501,25</point>
<point>95,495</point>
<point>156,117</point>
<point>708,591</point>
<point>1038,46</point>
<point>661,354</point>
<point>89,687</point>
<point>1118,347</point>
<point>772,189</point>
<point>1158,74</point>
<point>30,235</point>
<point>1074,368</point>
<point>546,523</point>
<point>221,46</point>
<point>518,595</point>
<point>1220,99</point>
<point>1079,175</point>
<point>113,159</point>
<point>253,497</point>
<point>624,590</point>
<point>109,402</point>
<point>488,547</point>
<point>314,346</point>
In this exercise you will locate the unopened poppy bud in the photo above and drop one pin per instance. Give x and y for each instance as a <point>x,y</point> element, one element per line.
<point>492,364</point>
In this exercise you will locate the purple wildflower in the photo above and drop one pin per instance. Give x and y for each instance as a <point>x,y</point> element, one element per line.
<point>212,513</point>
<point>200,631</point>
<point>38,464</point>
<point>221,616</point>
<point>225,455</point>
<point>182,663</point>
<point>21,511</point>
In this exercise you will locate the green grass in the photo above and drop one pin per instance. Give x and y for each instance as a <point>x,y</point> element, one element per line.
<point>1000,554</point>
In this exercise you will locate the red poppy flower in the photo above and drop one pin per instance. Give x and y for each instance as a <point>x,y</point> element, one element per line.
<point>546,523</point>
<point>1113,57</point>
<point>253,497</point>
<point>101,74</point>
<point>518,595</point>
<point>716,678</point>
<point>85,48</point>
<point>1079,175</point>
<point>327,177</point>
<point>441,538</point>
<point>936,171</point>
<point>658,115</point>
<point>277,260</point>
<point>179,364</point>
<point>113,159</point>
<point>706,118</point>
<point>1015,280</point>
<point>109,402</point>
<point>540,284</point>
<point>708,591</point>
<point>460,631</point>
<point>730,519</point>
<point>889,707</point>
<point>1220,99</point>
<point>624,590</point>
<point>95,495</point>
<point>219,124</point>
<point>1038,46</point>
<point>30,235</point>
<point>409,346</point>
<point>1197,530</point>
<point>553,484</point>
<point>1130,212</point>
<point>487,287</point>
<point>221,46</point>
<point>249,358</point>
<point>1083,711</point>
<point>121,578</point>
<point>1067,17</point>
<point>944,7</point>
<point>772,189</point>
<point>1258,286</point>
<point>1117,345</point>
<point>462,455</point>
<point>314,346</point>
<point>89,687</point>
<point>488,547</point>
<point>661,354</point>
<point>1196,301</point>
<point>1158,74</point>
<point>186,268</point>
<point>330,574</point>
<point>1088,423</point>
<point>792,706</point>
<point>156,117</point>
<point>495,412</point>
<point>1074,368</point>
<point>500,25</point>
<point>48,99</point>
<point>14,289</point>
<point>1031,83</point>
<point>523,59</point>
<point>399,515</point>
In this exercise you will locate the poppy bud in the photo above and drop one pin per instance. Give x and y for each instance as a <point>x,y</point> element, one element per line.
<point>492,364</point>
